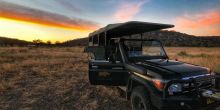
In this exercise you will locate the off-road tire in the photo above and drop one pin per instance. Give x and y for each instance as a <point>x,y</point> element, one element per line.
<point>140,99</point>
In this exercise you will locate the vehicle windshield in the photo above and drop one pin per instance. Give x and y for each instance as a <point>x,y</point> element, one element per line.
<point>148,49</point>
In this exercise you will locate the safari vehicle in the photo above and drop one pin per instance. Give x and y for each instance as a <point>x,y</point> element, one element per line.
<point>121,56</point>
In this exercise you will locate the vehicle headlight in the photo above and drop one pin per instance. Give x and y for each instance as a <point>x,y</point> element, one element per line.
<point>213,81</point>
<point>174,88</point>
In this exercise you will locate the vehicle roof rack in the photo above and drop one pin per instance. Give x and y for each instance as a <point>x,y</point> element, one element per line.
<point>130,28</point>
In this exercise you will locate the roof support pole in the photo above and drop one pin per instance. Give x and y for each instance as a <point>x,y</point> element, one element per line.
<point>98,40</point>
<point>141,39</point>
<point>105,38</point>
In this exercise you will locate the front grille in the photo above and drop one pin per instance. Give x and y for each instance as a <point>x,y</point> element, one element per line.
<point>192,85</point>
<point>203,82</point>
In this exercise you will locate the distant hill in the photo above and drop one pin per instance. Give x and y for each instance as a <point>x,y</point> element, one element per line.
<point>13,42</point>
<point>171,38</point>
<point>168,38</point>
<point>76,42</point>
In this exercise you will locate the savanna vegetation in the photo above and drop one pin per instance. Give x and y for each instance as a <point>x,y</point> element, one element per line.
<point>56,78</point>
<point>208,57</point>
<point>169,38</point>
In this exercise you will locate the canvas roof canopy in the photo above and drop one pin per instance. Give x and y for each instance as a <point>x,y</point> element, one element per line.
<point>102,36</point>
<point>129,28</point>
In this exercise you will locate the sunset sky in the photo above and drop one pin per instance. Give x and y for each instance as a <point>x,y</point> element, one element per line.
<point>61,20</point>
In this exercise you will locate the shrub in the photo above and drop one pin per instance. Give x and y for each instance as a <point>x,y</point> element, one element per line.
<point>183,53</point>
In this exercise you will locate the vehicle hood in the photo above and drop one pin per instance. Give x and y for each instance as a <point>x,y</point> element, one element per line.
<point>170,67</point>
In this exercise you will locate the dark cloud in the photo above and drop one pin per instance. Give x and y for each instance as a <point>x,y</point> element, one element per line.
<point>12,11</point>
<point>69,5</point>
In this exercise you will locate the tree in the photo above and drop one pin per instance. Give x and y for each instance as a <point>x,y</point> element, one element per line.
<point>57,42</point>
<point>38,42</point>
<point>49,42</point>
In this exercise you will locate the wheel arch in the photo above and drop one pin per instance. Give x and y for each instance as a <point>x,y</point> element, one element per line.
<point>135,81</point>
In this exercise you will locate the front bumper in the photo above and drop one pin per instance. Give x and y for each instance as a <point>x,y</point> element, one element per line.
<point>193,100</point>
<point>184,103</point>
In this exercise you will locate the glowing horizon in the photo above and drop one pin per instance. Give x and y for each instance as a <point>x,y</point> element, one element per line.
<point>64,20</point>
<point>31,31</point>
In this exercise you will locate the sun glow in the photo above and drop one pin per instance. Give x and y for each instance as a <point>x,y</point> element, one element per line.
<point>30,31</point>
<point>206,23</point>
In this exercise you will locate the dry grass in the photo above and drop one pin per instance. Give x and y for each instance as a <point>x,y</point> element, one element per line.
<point>51,78</point>
<point>56,78</point>
<point>208,57</point>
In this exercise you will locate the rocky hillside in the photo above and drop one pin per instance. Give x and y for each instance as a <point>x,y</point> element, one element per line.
<point>169,38</point>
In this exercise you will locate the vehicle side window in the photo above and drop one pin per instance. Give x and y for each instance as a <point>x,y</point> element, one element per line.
<point>102,39</point>
<point>96,52</point>
<point>95,40</point>
<point>111,54</point>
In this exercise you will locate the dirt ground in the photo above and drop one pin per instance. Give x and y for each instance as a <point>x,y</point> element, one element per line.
<point>54,79</point>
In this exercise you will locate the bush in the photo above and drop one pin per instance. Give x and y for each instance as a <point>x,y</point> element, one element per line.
<point>183,53</point>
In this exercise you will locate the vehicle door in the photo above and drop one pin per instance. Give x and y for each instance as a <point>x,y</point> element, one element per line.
<point>109,70</point>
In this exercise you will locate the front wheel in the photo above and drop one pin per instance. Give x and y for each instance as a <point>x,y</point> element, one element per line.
<point>140,99</point>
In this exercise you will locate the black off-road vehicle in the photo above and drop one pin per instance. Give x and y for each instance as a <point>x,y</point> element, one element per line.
<point>120,56</point>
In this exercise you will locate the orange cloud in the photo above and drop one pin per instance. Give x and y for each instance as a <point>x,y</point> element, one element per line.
<point>206,23</point>
<point>17,12</point>
<point>216,31</point>
<point>128,10</point>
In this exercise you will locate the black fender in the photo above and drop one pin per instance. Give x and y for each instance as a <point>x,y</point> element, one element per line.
<point>135,80</point>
